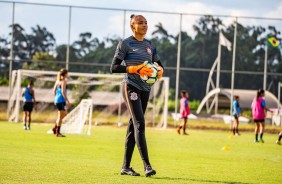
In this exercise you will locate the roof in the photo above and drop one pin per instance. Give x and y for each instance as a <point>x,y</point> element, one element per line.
<point>246,98</point>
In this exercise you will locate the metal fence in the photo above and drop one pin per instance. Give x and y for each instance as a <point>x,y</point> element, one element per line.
<point>65,22</point>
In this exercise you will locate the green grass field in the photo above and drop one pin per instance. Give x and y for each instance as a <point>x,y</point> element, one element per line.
<point>37,157</point>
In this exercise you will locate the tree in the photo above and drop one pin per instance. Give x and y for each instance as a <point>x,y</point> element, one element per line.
<point>4,50</point>
<point>61,53</point>
<point>41,61</point>
<point>160,33</point>
<point>101,56</point>
<point>85,44</point>
<point>40,40</point>
<point>19,42</point>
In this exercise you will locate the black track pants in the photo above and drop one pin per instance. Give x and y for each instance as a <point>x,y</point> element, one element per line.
<point>136,102</point>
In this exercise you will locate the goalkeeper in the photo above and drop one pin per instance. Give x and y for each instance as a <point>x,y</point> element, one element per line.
<point>134,51</point>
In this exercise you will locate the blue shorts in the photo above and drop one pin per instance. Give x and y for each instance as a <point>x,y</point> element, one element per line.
<point>61,106</point>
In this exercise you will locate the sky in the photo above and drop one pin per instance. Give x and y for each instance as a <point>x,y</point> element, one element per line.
<point>108,23</point>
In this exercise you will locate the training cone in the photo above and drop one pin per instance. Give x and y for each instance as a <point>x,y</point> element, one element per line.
<point>231,136</point>
<point>226,148</point>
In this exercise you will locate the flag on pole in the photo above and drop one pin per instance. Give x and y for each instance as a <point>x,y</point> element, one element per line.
<point>224,42</point>
<point>272,41</point>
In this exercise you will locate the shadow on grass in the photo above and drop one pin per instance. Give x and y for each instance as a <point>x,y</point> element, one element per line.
<point>197,180</point>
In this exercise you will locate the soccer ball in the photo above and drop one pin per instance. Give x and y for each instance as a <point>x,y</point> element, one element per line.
<point>151,79</point>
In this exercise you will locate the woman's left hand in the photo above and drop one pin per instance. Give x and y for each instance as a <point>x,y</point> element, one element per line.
<point>160,70</point>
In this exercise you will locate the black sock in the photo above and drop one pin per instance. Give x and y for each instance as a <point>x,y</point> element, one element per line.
<point>237,130</point>
<point>58,129</point>
<point>256,137</point>
<point>280,137</point>
<point>179,127</point>
<point>261,135</point>
<point>146,162</point>
<point>125,166</point>
<point>233,130</point>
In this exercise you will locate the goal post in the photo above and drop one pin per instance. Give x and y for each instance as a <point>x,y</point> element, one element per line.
<point>104,90</point>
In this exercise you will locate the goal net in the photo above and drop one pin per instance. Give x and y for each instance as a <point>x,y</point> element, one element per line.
<point>108,107</point>
<point>74,122</point>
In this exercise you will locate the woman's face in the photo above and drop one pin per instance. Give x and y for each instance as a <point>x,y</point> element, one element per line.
<point>139,25</point>
<point>185,95</point>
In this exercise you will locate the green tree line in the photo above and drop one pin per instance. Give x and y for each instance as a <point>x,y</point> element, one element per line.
<point>38,50</point>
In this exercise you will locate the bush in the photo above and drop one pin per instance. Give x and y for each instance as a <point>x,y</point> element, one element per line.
<point>192,104</point>
<point>4,81</point>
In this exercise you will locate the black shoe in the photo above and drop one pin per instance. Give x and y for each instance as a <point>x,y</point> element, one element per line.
<point>149,171</point>
<point>129,171</point>
<point>60,135</point>
<point>54,130</point>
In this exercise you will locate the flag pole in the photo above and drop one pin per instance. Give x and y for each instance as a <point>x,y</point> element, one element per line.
<point>218,74</point>
<point>265,66</point>
<point>233,70</point>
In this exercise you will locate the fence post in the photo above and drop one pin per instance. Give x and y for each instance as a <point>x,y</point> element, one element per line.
<point>68,46</point>
<point>177,68</point>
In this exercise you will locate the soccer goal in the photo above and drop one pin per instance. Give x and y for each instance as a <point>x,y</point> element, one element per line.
<point>103,89</point>
<point>74,122</point>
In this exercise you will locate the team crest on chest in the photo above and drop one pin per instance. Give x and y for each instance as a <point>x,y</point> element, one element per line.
<point>149,51</point>
<point>133,96</point>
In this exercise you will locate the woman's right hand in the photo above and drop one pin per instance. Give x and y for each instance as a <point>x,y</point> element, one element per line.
<point>68,103</point>
<point>141,69</point>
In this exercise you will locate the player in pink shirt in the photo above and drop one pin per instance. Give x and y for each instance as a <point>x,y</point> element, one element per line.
<point>184,111</point>
<point>258,111</point>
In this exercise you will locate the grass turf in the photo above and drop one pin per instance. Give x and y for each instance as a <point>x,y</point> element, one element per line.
<point>36,157</point>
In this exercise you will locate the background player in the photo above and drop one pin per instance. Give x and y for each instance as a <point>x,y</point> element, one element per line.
<point>184,111</point>
<point>134,50</point>
<point>258,111</point>
<point>29,102</point>
<point>236,111</point>
<point>61,100</point>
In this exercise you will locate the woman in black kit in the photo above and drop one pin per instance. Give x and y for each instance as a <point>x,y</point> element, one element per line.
<point>136,51</point>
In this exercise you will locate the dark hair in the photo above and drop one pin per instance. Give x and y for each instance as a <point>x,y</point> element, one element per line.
<point>132,18</point>
<point>236,97</point>
<point>62,73</point>
<point>30,82</point>
<point>183,92</point>
<point>259,93</point>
